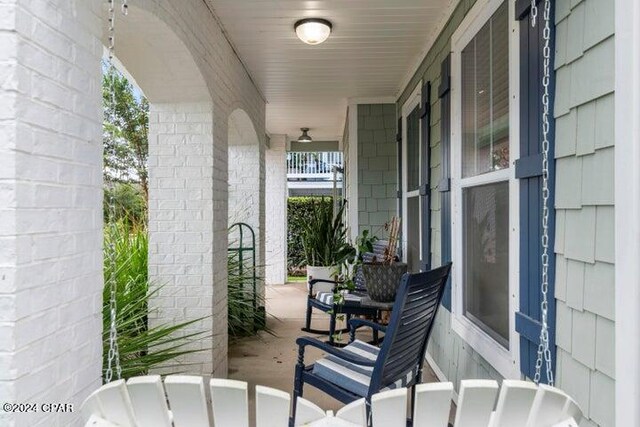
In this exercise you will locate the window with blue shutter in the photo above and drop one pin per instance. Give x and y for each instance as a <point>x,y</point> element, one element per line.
<point>529,172</point>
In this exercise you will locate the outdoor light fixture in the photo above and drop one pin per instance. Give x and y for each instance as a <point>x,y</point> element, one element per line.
<point>305,136</point>
<point>313,30</point>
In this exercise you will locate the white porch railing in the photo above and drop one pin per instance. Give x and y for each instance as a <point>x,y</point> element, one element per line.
<point>317,166</point>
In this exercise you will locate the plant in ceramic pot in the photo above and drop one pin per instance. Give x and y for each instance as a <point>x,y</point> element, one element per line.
<point>364,246</point>
<point>325,244</point>
<point>383,276</point>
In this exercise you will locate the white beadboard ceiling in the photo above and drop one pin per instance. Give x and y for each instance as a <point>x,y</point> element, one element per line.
<point>374,45</point>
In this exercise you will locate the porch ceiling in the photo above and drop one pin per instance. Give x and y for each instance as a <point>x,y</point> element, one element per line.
<point>373,46</point>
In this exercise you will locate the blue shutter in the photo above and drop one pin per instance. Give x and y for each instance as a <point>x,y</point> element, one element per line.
<point>425,181</point>
<point>444,93</point>
<point>529,171</point>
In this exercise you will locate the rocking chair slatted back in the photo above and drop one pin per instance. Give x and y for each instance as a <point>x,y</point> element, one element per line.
<point>411,321</point>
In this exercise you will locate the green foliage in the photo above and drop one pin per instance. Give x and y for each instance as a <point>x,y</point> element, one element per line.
<point>125,202</point>
<point>242,320</point>
<point>141,347</point>
<point>299,212</point>
<point>324,237</point>
<point>364,243</point>
<point>125,131</point>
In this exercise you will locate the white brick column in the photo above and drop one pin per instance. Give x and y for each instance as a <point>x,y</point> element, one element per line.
<point>181,213</point>
<point>50,206</point>
<point>276,211</point>
<point>247,184</point>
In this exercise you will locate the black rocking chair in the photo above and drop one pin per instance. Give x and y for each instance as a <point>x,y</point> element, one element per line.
<point>323,301</point>
<point>360,369</point>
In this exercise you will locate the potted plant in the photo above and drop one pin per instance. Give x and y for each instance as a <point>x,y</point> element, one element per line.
<point>325,244</point>
<point>382,276</point>
<point>364,245</point>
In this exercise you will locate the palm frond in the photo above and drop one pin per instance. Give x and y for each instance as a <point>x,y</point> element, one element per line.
<point>141,347</point>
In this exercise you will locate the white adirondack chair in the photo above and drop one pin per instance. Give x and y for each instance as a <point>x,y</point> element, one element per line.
<point>182,402</point>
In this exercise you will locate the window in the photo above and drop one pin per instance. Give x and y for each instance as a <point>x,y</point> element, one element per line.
<point>485,148</point>
<point>485,98</point>
<point>411,180</point>
<point>484,185</point>
<point>485,254</point>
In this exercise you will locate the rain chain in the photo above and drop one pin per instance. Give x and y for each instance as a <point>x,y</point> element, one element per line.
<point>113,356</point>
<point>544,352</point>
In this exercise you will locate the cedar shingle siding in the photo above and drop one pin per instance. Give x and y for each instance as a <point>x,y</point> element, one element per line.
<point>377,171</point>
<point>584,205</point>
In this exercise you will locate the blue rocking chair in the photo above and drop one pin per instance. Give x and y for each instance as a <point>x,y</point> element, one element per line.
<point>360,369</point>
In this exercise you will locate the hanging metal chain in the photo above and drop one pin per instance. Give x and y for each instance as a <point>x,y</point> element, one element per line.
<point>544,351</point>
<point>113,356</point>
<point>534,12</point>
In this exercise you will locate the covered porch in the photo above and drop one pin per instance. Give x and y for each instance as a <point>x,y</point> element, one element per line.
<point>437,110</point>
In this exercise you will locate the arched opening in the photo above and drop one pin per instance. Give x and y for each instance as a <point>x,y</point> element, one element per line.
<point>244,169</point>
<point>157,59</point>
<point>246,205</point>
<point>181,210</point>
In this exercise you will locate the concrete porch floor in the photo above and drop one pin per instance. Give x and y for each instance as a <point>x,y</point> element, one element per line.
<point>269,360</point>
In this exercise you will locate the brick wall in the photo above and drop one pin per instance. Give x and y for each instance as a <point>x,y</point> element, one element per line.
<point>51,205</point>
<point>276,211</point>
<point>51,184</point>
<point>180,223</point>
<point>228,88</point>
<point>377,166</point>
<point>246,183</point>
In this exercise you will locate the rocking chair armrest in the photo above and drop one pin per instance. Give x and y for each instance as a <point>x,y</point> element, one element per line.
<point>358,323</point>
<point>334,351</point>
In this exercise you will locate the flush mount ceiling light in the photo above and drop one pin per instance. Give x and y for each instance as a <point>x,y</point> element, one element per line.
<point>305,136</point>
<point>313,30</point>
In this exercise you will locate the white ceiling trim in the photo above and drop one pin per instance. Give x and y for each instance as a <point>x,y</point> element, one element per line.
<point>427,46</point>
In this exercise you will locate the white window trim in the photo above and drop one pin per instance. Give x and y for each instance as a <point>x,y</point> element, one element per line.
<point>410,104</point>
<point>505,361</point>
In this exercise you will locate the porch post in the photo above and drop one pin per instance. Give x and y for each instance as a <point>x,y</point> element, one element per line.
<point>627,211</point>
<point>276,211</point>
<point>181,235</point>
<point>50,206</point>
<point>246,185</point>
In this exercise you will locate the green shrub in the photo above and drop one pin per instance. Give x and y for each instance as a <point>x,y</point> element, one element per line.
<point>325,238</point>
<point>124,201</point>
<point>141,347</point>
<point>300,210</point>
